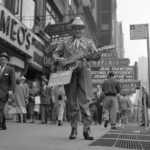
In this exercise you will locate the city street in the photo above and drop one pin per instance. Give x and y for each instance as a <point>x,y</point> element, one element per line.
<point>37,136</point>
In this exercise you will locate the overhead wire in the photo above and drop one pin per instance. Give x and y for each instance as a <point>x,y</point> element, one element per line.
<point>44,17</point>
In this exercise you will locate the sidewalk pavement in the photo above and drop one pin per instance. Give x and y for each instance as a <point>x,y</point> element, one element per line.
<point>26,136</point>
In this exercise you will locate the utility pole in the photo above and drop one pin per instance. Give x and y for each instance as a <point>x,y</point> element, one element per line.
<point>148,57</point>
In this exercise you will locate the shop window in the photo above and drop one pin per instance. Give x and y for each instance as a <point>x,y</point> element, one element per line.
<point>70,1</point>
<point>28,12</point>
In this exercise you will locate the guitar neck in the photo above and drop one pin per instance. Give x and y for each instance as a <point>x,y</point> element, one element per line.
<point>104,49</point>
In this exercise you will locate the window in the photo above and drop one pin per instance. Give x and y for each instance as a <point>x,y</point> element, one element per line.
<point>51,15</point>
<point>49,19</point>
<point>70,1</point>
<point>2,2</point>
<point>28,8</point>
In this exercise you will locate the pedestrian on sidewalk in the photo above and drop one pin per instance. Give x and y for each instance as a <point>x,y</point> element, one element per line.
<point>26,88</point>
<point>111,88</point>
<point>80,87</point>
<point>7,85</point>
<point>45,96</point>
<point>99,95</point>
<point>125,105</point>
<point>144,91</point>
<point>19,101</point>
<point>93,110</point>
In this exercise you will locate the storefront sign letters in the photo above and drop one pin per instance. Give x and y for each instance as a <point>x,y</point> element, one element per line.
<point>58,28</point>
<point>15,33</point>
<point>42,60</point>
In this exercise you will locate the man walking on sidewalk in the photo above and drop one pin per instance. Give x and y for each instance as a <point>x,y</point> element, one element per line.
<point>111,88</point>
<point>7,86</point>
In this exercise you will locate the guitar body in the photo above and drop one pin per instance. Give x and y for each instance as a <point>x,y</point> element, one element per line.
<point>70,63</point>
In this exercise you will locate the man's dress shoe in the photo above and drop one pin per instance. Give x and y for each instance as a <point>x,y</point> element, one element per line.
<point>87,135</point>
<point>73,134</point>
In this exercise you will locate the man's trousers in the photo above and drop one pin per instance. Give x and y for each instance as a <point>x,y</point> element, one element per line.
<point>54,111</point>
<point>45,112</point>
<point>99,114</point>
<point>79,92</point>
<point>2,117</point>
<point>110,106</point>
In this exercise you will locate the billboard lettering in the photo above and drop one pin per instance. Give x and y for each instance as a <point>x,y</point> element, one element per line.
<point>121,73</point>
<point>111,62</point>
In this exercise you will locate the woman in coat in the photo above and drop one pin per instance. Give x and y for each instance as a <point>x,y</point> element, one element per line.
<point>19,100</point>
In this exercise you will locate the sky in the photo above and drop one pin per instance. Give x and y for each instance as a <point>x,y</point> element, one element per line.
<point>133,12</point>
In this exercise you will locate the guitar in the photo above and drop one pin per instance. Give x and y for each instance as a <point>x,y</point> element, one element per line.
<point>73,61</point>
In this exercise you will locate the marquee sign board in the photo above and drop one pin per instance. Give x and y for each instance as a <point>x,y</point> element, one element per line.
<point>124,84</point>
<point>111,62</point>
<point>122,73</point>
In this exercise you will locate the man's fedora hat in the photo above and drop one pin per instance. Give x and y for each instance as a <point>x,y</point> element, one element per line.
<point>78,22</point>
<point>4,55</point>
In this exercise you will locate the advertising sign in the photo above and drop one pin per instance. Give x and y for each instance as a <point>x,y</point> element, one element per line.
<point>110,55</point>
<point>124,84</point>
<point>128,90</point>
<point>111,62</point>
<point>99,74</point>
<point>60,78</point>
<point>13,32</point>
<point>57,29</point>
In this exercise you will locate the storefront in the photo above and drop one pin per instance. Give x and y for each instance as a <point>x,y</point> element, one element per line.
<point>19,43</point>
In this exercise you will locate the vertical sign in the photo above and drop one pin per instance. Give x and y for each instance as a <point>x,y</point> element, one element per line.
<point>137,31</point>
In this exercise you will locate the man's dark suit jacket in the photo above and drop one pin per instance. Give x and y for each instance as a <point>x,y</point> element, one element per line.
<point>7,82</point>
<point>100,98</point>
<point>46,95</point>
